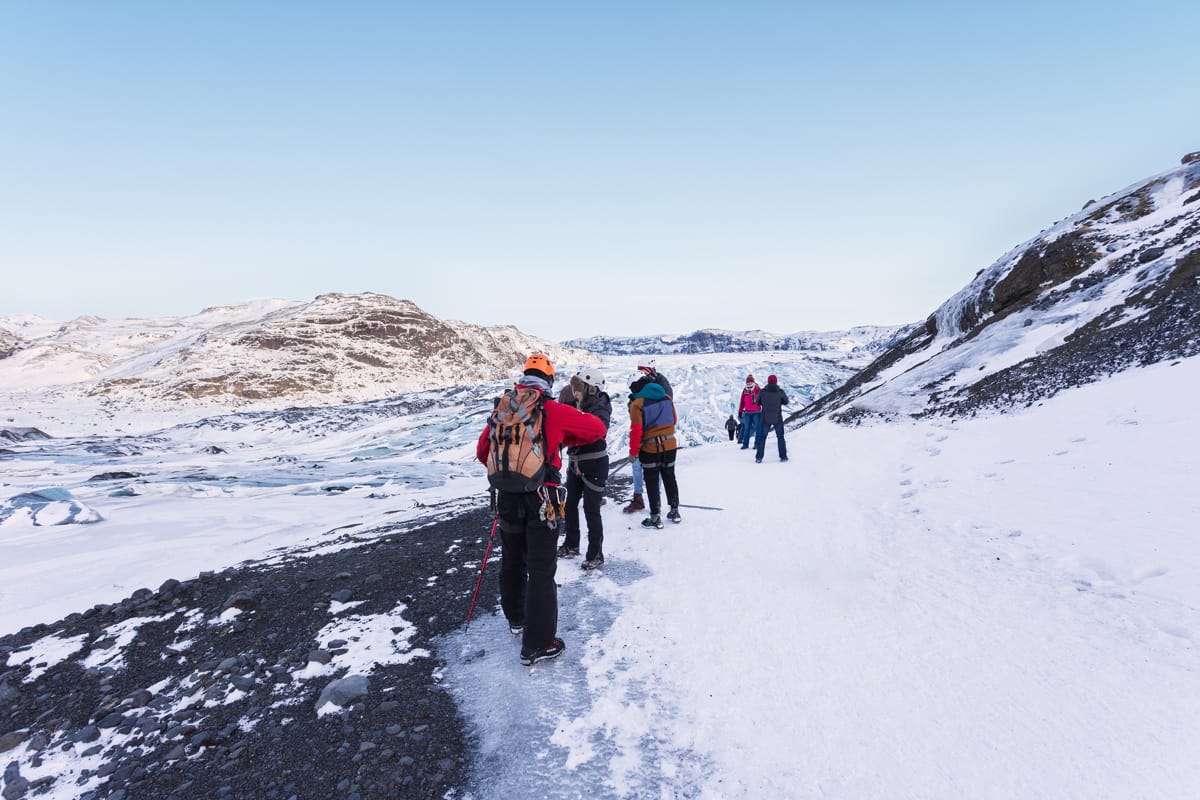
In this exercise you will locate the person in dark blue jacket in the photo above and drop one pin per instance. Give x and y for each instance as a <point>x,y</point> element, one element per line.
<point>772,399</point>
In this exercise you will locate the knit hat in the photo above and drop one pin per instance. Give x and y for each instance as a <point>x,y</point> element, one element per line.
<point>749,379</point>
<point>772,379</point>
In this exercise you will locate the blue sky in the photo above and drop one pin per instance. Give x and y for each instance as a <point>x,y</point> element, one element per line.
<point>621,168</point>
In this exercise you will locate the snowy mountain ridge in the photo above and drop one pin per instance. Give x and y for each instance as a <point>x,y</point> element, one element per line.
<point>1113,286</point>
<point>272,354</point>
<point>264,354</point>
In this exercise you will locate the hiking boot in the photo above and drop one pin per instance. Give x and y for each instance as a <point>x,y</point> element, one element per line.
<point>552,650</point>
<point>673,515</point>
<point>652,521</point>
<point>568,552</point>
<point>593,563</point>
<point>516,629</point>
<point>758,461</point>
<point>635,504</point>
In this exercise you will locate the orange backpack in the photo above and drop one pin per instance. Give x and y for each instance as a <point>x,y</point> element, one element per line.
<point>517,458</point>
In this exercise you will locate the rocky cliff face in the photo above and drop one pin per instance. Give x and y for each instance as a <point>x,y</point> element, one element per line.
<point>9,342</point>
<point>1114,286</point>
<point>337,348</point>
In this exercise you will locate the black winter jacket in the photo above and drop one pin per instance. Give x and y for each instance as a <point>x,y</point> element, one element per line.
<point>772,399</point>
<point>600,407</point>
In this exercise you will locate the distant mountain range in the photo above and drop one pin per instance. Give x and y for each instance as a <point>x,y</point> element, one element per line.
<point>1112,287</point>
<point>334,350</point>
<point>860,339</point>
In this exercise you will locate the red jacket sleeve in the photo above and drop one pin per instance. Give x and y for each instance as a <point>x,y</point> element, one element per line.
<point>571,427</point>
<point>483,446</point>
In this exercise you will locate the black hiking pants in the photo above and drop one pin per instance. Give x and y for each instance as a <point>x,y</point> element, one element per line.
<point>586,483</point>
<point>528,593</point>
<point>653,465</point>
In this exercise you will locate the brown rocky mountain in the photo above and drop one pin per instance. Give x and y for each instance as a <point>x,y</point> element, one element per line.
<point>337,348</point>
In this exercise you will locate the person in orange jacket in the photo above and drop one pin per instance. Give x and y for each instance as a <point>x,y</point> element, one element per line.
<point>652,421</point>
<point>528,562</point>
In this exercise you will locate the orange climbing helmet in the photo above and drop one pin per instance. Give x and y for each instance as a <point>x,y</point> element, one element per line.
<point>541,363</point>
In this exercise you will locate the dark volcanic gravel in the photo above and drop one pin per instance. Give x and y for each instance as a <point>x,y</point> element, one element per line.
<point>402,738</point>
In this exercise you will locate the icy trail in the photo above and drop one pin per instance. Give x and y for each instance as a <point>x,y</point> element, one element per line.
<point>1000,607</point>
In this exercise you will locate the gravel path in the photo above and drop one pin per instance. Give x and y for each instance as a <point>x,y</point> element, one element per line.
<point>210,687</point>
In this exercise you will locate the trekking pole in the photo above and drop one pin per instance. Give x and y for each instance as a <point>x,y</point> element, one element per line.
<point>481,567</point>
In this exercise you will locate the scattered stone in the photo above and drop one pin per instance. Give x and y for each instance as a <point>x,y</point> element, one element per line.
<point>243,682</point>
<point>246,601</point>
<point>342,596</point>
<point>114,476</point>
<point>88,733</point>
<point>11,739</point>
<point>15,788</point>
<point>111,720</point>
<point>344,691</point>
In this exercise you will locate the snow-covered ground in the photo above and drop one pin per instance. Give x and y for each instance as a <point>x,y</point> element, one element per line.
<point>1005,607</point>
<point>209,493</point>
<point>1000,607</point>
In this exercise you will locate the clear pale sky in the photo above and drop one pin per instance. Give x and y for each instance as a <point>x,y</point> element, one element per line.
<point>619,168</point>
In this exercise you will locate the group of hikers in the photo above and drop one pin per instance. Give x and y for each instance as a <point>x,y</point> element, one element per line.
<point>521,448</point>
<point>760,410</point>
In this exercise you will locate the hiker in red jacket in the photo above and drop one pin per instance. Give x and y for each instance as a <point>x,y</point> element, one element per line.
<point>529,521</point>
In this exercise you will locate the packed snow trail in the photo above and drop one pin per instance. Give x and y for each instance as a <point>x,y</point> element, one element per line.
<point>999,607</point>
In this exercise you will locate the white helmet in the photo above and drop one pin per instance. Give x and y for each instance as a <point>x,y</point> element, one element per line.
<point>592,377</point>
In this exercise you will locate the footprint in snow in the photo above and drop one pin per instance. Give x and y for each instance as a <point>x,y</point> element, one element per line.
<point>933,451</point>
<point>1079,439</point>
<point>1146,573</point>
<point>906,482</point>
<point>1174,630</point>
<point>1006,461</point>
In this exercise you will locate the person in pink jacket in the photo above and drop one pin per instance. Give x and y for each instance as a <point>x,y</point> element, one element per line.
<point>750,412</point>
